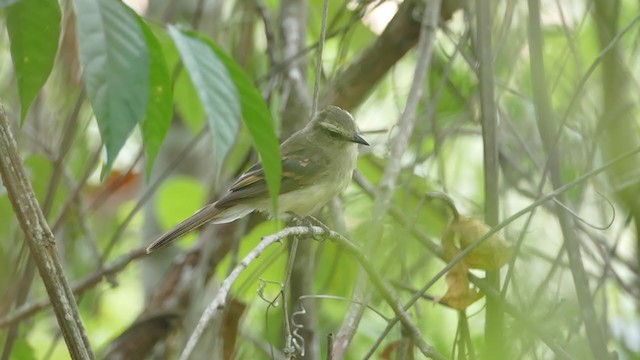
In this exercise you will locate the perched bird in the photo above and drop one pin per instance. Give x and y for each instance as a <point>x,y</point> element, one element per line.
<point>317,164</point>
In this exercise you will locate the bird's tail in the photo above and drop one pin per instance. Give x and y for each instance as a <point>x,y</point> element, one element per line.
<point>203,216</point>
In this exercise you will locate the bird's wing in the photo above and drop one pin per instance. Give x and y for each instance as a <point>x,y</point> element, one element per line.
<point>189,224</point>
<point>298,170</point>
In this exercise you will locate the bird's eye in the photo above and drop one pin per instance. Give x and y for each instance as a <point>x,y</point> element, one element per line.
<point>335,134</point>
<point>332,130</point>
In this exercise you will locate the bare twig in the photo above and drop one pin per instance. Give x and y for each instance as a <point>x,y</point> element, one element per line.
<point>561,190</point>
<point>387,292</point>
<point>70,128</point>
<point>41,244</point>
<point>150,191</point>
<point>30,309</point>
<point>323,34</point>
<point>544,116</point>
<point>493,315</point>
<point>298,105</point>
<point>219,301</point>
<point>354,83</point>
<point>287,282</point>
<point>398,145</point>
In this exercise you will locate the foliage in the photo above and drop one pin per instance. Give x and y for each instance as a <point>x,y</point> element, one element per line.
<point>173,99</point>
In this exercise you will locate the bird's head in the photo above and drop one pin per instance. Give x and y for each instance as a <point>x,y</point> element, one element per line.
<point>337,124</point>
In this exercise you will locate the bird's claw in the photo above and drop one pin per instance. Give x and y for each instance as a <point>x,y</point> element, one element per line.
<point>310,221</point>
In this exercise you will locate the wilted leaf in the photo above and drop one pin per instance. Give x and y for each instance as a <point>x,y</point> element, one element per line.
<point>492,254</point>
<point>117,188</point>
<point>459,295</point>
<point>398,350</point>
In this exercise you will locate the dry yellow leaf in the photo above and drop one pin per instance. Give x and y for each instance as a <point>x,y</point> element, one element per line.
<point>459,295</point>
<point>492,254</point>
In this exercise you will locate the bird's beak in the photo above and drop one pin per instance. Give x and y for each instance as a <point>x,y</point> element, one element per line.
<point>359,139</point>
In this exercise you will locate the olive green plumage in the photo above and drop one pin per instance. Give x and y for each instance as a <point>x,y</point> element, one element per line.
<point>317,164</point>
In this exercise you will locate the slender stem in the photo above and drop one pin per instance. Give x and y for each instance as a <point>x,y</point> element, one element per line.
<point>41,244</point>
<point>493,317</point>
<point>383,287</point>
<point>323,34</point>
<point>398,145</point>
<point>544,116</point>
<point>555,193</point>
<point>80,286</point>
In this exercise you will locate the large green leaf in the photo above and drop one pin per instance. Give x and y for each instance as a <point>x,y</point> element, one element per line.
<point>185,99</point>
<point>115,61</point>
<point>157,121</point>
<point>258,120</point>
<point>34,29</point>
<point>215,89</point>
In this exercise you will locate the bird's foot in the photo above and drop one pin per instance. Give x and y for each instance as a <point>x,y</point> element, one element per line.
<point>310,221</point>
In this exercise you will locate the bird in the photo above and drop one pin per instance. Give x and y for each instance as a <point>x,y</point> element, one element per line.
<point>317,165</point>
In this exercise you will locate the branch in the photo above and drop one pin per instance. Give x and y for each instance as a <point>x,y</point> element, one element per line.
<point>298,105</point>
<point>387,291</point>
<point>398,145</point>
<point>538,202</point>
<point>354,83</point>
<point>28,310</point>
<point>41,244</point>
<point>545,119</point>
<point>494,336</point>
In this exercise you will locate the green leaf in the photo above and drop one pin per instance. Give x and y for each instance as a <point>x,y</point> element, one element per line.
<point>185,99</point>
<point>115,61</point>
<point>187,103</point>
<point>215,89</point>
<point>157,121</point>
<point>34,29</point>
<point>258,120</point>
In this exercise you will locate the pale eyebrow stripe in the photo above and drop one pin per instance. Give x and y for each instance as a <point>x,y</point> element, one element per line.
<point>330,127</point>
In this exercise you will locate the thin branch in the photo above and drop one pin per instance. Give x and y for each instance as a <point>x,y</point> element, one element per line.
<point>330,346</point>
<point>28,310</point>
<point>288,345</point>
<point>354,83</point>
<point>521,318</point>
<point>385,289</point>
<point>41,244</point>
<point>323,34</point>
<point>545,119</point>
<point>493,316</point>
<point>70,128</point>
<point>561,190</point>
<point>398,145</point>
<point>298,107</point>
